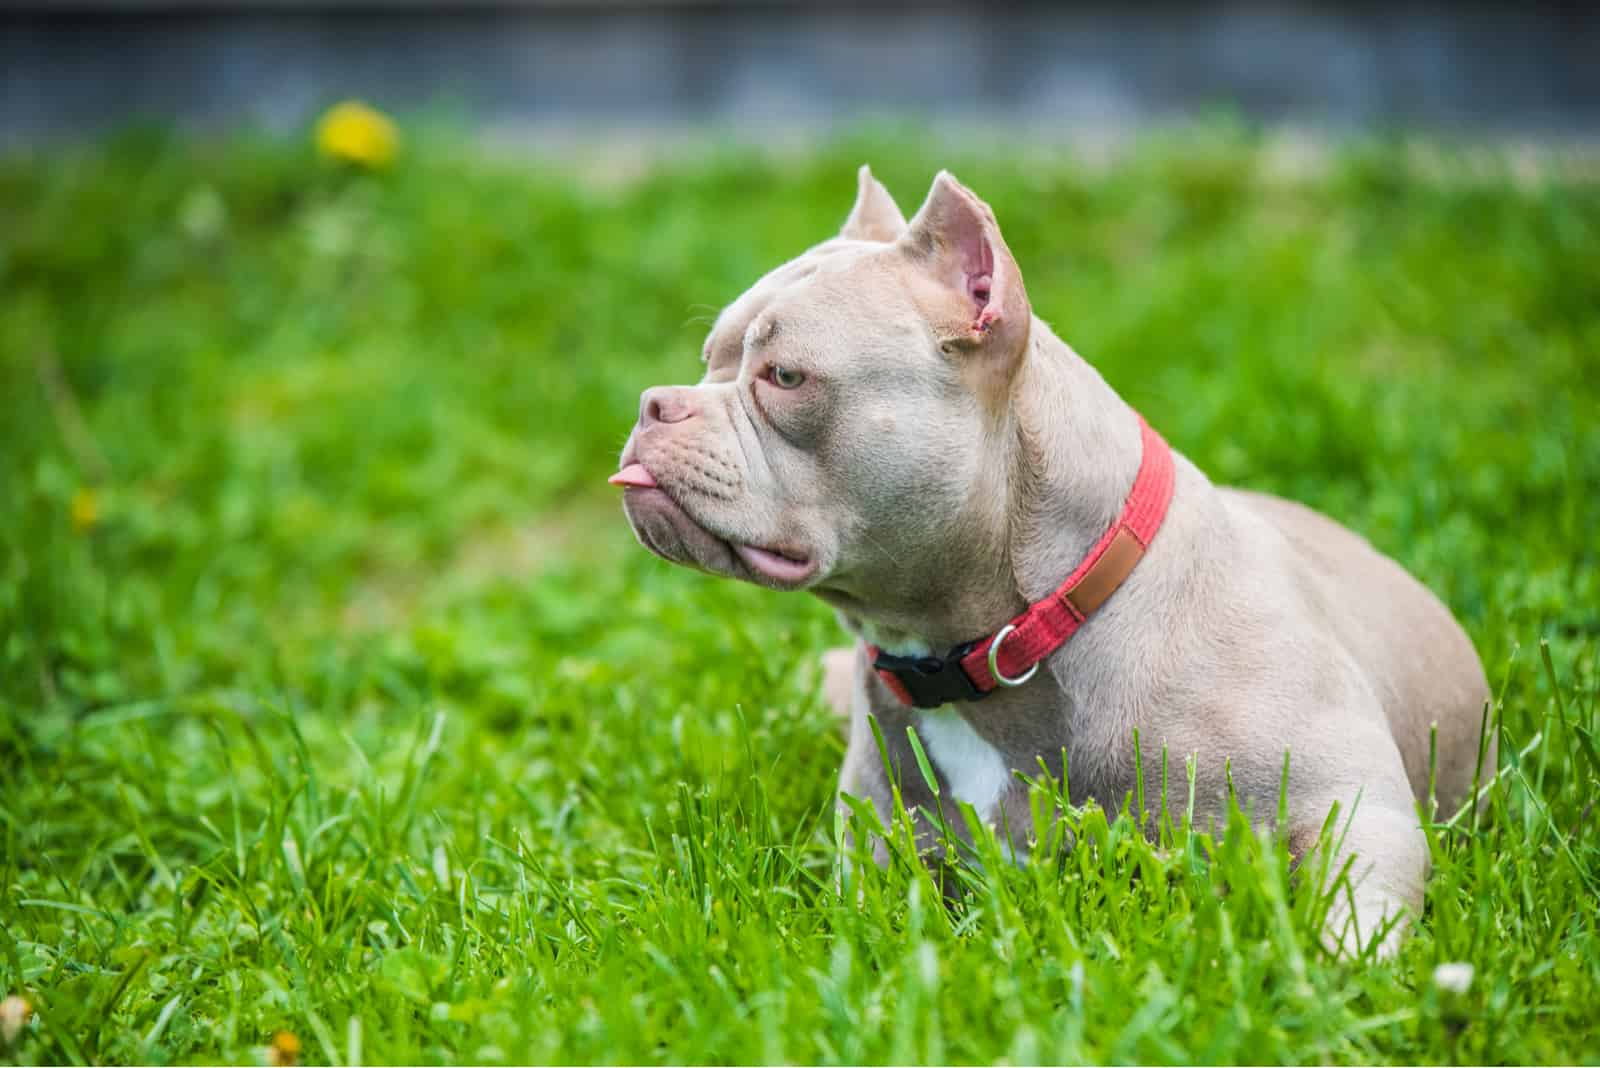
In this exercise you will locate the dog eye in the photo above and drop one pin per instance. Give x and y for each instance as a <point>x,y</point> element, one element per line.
<point>784,378</point>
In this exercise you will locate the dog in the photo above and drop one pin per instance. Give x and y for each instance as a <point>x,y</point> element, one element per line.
<point>1030,571</point>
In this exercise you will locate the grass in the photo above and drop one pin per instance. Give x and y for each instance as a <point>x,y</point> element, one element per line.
<point>335,699</point>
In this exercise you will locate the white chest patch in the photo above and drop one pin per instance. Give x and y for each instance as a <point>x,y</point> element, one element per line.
<point>975,770</point>
<point>898,644</point>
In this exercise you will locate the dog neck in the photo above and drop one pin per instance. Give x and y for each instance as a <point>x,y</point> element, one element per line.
<point>1072,451</point>
<point>1077,455</point>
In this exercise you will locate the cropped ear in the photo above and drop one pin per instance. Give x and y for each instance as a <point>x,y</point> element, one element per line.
<point>954,238</point>
<point>875,216</point>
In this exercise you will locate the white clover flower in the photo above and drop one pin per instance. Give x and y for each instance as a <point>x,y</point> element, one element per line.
<point>14,1013</point>
<point>1454,976</point>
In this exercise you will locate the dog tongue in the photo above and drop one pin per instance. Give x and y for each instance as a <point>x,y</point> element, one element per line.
<point>633,475</point>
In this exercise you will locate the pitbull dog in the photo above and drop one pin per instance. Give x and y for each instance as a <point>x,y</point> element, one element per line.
<point>1029,570</point>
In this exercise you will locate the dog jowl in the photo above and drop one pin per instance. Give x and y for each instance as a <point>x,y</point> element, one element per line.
<point>1028,569</point>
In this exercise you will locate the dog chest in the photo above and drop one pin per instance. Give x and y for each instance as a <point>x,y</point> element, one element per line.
<point>973,769</point>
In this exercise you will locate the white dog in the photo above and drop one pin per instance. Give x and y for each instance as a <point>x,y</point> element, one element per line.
<point>1030,569</point>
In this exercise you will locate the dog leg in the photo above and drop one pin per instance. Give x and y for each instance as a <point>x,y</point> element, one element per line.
<point>1387,854</point>
<point>863,775</point>
<point>839,679</point>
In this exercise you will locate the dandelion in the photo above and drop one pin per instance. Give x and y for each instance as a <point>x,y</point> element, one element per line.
<point>1454,977</point>
<point>85,510</point>
<point>284,1051</point>
<point>14,1014</point>
<point>353,132</point>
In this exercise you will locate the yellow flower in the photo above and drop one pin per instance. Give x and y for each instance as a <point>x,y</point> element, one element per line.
<point>355,133</point>
<point>284,1050</point>
<point>85,510</point>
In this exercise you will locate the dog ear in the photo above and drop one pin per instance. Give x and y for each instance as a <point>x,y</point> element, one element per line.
<point>875,217</point>
<point>955,239</point>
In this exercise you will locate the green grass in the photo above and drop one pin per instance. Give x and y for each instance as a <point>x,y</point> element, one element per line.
<point>335,698</point>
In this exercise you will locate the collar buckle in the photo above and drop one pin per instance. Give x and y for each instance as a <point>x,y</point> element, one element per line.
<point>929,681</point>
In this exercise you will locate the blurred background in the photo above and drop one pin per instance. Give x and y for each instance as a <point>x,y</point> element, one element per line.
<point>774,69</point>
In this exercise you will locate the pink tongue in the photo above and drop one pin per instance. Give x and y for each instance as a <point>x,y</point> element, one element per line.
<point>774,565</point>
<point>633,475</point>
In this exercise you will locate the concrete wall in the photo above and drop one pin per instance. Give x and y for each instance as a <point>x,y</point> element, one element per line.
<point>70,68</point>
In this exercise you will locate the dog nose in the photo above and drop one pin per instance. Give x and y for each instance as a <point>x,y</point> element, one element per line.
<point>663,404</point>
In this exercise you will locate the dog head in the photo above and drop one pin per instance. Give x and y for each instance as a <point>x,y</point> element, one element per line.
<point>848,434</point>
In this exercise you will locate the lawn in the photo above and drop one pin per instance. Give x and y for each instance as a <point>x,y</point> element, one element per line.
<point>336,701</point>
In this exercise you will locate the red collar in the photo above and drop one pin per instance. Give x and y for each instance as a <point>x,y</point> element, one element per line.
<point>1011,655</point>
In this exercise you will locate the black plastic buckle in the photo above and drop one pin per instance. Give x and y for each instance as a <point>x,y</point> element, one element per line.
<point>931,680</point>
